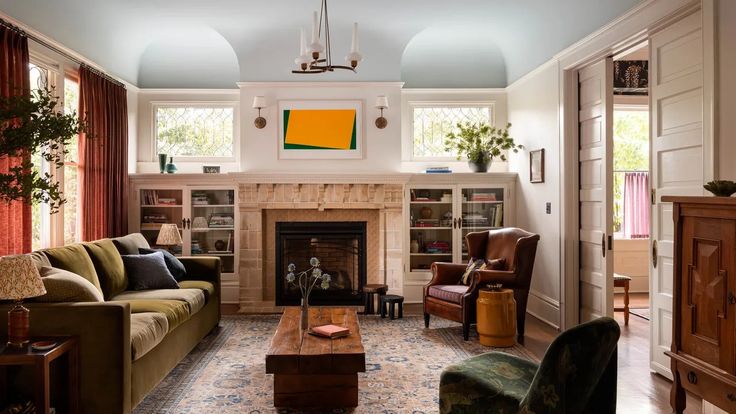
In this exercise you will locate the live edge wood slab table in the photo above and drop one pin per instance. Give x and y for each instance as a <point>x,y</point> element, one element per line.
<point>315,372</point>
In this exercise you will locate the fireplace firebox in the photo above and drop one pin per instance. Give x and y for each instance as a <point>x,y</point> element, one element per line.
<point>341,249</point>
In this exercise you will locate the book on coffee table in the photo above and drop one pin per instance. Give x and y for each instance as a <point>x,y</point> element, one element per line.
<point>330,331</point>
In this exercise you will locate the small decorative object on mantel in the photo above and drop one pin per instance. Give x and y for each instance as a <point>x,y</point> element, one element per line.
<point>19,279</point>
<point>480,144</point>
<point>211,169</point>
<point>381,103</point>
<point>306,281</point>
<point>171,167</point>
<point>536,166</point>
<point>162,162</point>
<point>721,188</point>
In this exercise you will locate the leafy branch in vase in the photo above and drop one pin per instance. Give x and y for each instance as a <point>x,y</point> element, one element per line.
<point>307,279</point>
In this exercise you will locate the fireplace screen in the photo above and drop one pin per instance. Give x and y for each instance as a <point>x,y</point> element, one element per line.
<point>340,247</point>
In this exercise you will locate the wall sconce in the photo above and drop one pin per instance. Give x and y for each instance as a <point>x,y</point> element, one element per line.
<point>259,102</point>
<point>381,103</point>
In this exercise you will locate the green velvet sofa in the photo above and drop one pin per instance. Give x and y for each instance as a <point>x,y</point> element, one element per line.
<point>132,340</point>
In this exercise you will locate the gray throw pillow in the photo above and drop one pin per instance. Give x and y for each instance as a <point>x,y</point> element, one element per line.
<point>148,271</point>
<point>64,286</point>
<point>175,266</point>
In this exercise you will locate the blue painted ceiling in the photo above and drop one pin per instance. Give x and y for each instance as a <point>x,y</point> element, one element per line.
<point>215,43</point>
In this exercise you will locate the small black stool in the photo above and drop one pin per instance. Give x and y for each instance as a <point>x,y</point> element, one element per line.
<point>387,305</point>
<point>370,292</point>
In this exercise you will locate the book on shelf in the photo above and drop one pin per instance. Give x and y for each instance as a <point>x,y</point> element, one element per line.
<point>330,331</point>
<point>483,197</point>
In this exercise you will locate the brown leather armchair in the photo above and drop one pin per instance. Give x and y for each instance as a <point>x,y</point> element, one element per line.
<point>447,298</point>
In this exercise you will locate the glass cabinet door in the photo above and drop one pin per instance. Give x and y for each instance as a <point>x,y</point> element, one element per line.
<point>212,226</point>
<point>161,206</point>
<point>430,227</point>
<point>481,209</point>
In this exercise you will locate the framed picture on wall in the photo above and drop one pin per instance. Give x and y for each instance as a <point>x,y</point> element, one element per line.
<point>320,130</point>
<point>536,166</point>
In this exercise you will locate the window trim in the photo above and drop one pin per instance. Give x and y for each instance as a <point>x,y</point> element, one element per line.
<point>413,104</point>
<point>181,159</point>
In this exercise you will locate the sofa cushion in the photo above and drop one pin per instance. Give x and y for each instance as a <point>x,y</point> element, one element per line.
<point>131,243</point>
<point>64,286</point>
<point>147,329</point>
<point>176,311</point>
<point>176,268</point>
<point>193,297</point>
<point>207,287</point>
<point>74,258</point>
<point>109,266</point>
<point>148,271</point>
<point>40,260</point>
<point>448,293</point>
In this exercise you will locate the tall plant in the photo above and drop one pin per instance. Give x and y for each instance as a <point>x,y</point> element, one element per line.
<point>33,124</point>
<point>481,143</point>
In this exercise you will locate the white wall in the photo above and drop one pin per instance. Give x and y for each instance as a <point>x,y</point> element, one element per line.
<point>726,88</point>
<point>533,110</point>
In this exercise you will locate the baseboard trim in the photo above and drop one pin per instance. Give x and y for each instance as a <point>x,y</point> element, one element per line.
<point>544,308</point>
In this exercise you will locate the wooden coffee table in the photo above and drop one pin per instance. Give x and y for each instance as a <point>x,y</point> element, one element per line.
<point>314,372</point>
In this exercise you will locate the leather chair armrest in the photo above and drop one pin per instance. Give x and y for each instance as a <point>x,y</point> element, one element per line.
<point>446,273</point>
<point>504,277</point>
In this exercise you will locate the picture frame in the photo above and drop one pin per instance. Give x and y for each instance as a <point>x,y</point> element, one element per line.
<point>536,166</point>
<point>211,169</point>
<point>320,129</point>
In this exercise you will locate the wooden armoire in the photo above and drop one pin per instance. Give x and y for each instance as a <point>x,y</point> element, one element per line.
<point>703,350</point>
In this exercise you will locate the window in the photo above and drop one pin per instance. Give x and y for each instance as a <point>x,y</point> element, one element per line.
<point>203,132</point>
<point>432,123</point>
<point>40,77</point>
<point>71,169</point>
<point>630,155</point>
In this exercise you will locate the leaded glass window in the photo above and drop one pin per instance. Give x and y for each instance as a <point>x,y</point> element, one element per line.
<point>433,123</point>
<point>195,131</point>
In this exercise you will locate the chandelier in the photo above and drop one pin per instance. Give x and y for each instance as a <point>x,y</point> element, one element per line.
<point>317,57</point>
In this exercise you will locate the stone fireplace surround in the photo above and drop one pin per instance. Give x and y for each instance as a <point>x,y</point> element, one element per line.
<point>262,204</point>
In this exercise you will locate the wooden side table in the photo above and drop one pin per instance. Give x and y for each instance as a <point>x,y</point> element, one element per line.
<point>41,361</point>
<point>623,281</point>
<point>370,292</point>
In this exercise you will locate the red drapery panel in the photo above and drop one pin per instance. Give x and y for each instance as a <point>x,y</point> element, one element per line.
<point>15,218</point>
<point>103,157</point>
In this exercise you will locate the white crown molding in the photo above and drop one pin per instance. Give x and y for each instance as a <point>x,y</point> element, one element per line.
<point>244,85</point>
<point>177,91</point>
<point>71,52</point>
<point>450,91</point>
<point>530,75</point>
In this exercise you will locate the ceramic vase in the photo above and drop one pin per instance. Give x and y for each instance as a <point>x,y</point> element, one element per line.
<point>479,167</point>
<point>171,167</point>
<point>162,162</point>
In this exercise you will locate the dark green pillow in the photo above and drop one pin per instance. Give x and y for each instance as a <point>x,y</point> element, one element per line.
<point>109,266</point>
<point>148,271</point>
<point>74,258</point>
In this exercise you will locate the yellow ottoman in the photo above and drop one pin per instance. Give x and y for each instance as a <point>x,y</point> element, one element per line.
<point>496,316</point>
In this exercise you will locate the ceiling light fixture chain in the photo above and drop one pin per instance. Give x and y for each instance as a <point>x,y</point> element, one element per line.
<point>311,59</point>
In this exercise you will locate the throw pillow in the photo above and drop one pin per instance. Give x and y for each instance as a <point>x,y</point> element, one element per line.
<point>64,286</point>
<point>175,266</point>
<point>74,258</point>
<point>496,264</point>
<point>479,264</point>
<point>148,271</point>
<point>109,267</point>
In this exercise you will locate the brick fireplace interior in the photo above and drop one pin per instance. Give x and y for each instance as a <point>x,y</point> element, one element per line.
<point>341,248</point>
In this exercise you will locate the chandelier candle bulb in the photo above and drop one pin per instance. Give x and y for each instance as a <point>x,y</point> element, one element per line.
<point>316,47</point>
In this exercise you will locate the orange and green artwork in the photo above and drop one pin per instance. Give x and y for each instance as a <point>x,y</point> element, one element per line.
<point>320,129</point>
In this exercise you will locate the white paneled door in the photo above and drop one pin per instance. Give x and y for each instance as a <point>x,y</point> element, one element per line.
<point>677,160</point>
<point>595,116</point>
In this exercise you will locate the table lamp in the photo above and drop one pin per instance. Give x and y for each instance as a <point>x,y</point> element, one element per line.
<point>19,279</point>
<point>168,236</point>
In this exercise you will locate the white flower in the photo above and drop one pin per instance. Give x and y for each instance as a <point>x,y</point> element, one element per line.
<point>314,262</point>
<point>326,277</point>
<point>292,267</point>
<point>325,285</point>
<point>317,272</point>
<point>290,277</point>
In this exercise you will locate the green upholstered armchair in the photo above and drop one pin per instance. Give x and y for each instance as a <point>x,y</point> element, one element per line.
<point>576,375</point>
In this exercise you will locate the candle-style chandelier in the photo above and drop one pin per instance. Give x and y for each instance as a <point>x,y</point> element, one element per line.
<point>316,57</point>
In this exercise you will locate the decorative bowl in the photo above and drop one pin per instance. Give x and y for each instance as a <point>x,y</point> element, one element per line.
<point>721,188</point>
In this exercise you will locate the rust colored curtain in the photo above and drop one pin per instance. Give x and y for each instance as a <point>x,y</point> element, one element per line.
<point>103,157</point>
<point>15,218</point>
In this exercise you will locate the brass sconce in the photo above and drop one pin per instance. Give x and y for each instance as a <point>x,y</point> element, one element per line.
<point>259,102</point>
<point>381,103</point>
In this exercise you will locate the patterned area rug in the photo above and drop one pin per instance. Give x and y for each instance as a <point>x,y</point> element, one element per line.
<point>226,372</point>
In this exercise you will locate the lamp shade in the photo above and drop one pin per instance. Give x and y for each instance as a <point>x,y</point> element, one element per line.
<point>168,235</point>
<point>382,102</point>
<point>19,278</point>
<point>259,102</point>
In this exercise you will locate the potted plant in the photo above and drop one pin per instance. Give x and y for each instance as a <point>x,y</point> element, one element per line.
<point>33,124</point>
<point>480,144</point>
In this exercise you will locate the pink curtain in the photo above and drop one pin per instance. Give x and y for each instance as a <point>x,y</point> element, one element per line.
<point>636,205</point>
